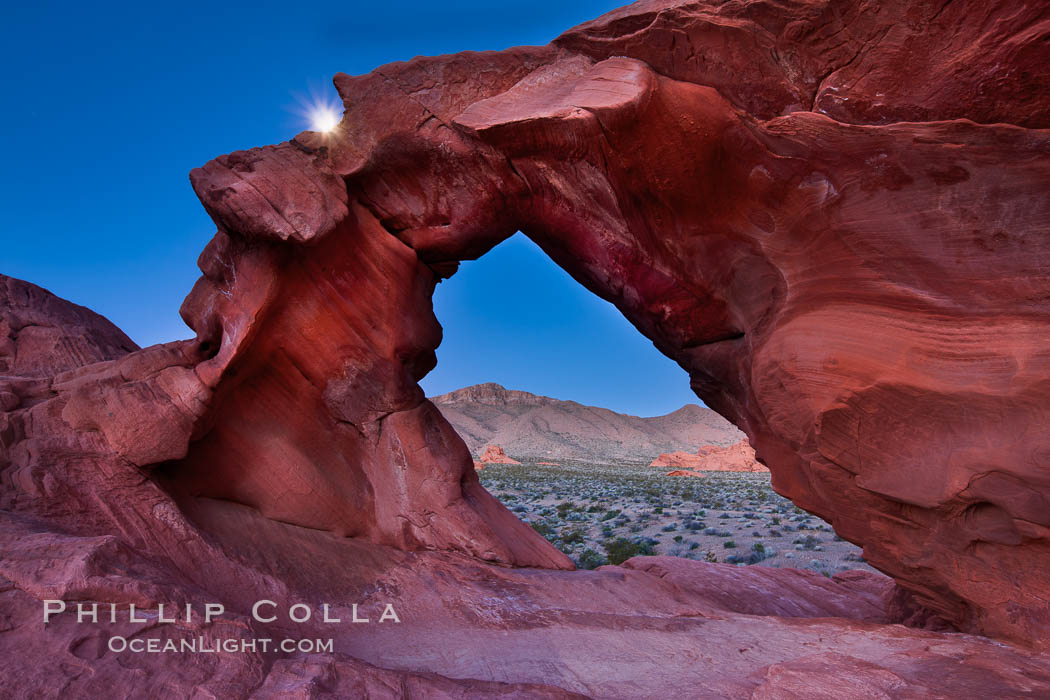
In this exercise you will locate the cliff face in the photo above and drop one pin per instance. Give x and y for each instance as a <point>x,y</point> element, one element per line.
<point>833,215</point>
<point>540,427</point>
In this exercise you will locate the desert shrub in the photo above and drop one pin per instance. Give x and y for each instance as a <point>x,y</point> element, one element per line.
<point>710,557</point>
<point>621,549</point>
<point>729,544</point>
<point>564,507</point>
<point>543,527</point>
<point>807,542</point>
<point>590,559</point>
<point>670,527</point>
<point>572,536</point>
<point>775,533</point>
<point>724,516</point>
<point>693,545</point>
<point>678,538</point>
<point>609,515</point>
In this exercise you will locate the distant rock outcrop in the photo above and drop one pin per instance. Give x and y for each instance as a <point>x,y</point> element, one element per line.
<point>548,429</point>
<point>41,335</point>
<point>684,460</point>
<point>683,472</point>
<point>494,454</point>
<point>738,457</point>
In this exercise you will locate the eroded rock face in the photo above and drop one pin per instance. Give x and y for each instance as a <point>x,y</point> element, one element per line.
<point>848,258</point>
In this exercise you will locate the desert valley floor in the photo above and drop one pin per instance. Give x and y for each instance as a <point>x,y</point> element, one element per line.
<point>606,513</point>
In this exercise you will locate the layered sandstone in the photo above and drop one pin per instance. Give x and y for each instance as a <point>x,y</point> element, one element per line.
<point>834,218</point>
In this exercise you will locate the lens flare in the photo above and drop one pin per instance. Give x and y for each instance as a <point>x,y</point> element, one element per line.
<point>324,119</point>
<point>321,111</point>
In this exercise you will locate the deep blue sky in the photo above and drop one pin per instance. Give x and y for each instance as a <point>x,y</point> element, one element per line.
<point>108,106</point>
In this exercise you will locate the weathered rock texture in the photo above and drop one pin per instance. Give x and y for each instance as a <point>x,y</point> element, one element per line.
<point>738,457</point>
<point>541,427</point>
<point>833,215</point>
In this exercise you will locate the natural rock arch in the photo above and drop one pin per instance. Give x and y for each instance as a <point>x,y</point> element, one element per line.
<point>865,301</point>
<point>864,296</point>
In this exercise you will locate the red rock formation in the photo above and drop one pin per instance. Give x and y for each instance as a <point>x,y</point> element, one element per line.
<point>738,457</point>
<point>494,454</point>
<point>683,472</point>
<point>42,335</point>
<point>838,283</point>
<point>833,218</point>
<point>684,460</point>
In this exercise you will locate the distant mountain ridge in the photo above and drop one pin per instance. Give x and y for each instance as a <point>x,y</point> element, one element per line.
<point>529,426</point>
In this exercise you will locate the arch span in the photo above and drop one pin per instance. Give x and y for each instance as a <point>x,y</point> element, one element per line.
<point>863,300</point>
<point>849,259</point>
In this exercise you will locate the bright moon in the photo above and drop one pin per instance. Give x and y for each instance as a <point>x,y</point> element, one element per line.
<point>324,119</point>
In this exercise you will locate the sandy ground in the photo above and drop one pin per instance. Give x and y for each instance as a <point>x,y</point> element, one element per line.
<point>737,518</point>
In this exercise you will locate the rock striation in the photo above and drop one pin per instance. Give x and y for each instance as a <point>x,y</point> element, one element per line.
<point>832,215</point>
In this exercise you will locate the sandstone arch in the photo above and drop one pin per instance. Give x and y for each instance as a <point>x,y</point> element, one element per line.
<point>861,299</point>
<point>850,265</point>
